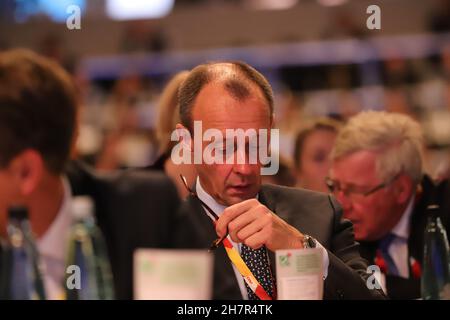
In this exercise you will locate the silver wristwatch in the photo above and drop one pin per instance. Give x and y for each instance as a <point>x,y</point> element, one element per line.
<point>309,242</point>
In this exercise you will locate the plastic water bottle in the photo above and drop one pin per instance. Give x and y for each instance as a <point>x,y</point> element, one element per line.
<point>88,256</point>
<point>436,261</point>
<point>21,266</point>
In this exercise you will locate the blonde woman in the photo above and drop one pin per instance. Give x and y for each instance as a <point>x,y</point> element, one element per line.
<point>168,117</point>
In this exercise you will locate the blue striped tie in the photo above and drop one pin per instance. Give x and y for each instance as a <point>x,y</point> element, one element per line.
<point>384,249</point>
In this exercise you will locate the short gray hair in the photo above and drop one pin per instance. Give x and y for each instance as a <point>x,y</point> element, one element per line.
<point>396,138</point>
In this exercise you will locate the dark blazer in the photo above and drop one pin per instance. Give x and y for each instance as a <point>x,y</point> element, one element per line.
<point>312,213</point>
<point>401,288</point>
<point>134,209</point>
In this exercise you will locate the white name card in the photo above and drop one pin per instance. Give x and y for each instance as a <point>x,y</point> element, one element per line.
<point>299,274</point>
<point>172,274</point>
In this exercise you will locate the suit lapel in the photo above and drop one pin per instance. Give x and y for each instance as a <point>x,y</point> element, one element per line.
<point>203,223</point>
<point>225,282</point>
<point>267,198</point>
<point>368,250</point>
<point>419,219</point>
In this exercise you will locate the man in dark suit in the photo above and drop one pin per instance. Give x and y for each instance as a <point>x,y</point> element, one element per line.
<point>377,177</point>
<point>38,111</point>
<point>220,97</point>
<point>134,209</point>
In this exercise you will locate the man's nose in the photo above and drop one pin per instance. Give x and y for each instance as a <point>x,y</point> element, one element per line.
<point>242,165</point>
<point>242,169</point>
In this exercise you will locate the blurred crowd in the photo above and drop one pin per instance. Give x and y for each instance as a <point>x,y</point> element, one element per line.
<point>327,143</point>
<point>370,160</point>
<point>127,122</point>
<point>375,134</point>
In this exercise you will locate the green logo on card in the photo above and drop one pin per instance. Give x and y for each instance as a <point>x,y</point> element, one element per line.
<point>285,260</point>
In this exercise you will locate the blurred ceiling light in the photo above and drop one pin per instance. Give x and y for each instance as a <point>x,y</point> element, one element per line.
<point>331,3</point>
<point>270,4</point>
<point>55,10</point>
<point>138,9</point>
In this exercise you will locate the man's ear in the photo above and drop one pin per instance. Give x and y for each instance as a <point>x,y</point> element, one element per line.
<point>269,138</point>
<point>403,188</point>
<point>184,137</point>
<point>27,169</point>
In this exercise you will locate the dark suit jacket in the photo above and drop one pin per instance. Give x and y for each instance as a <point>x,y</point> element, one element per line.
<point>401,288</point>
<point>310,212</point>
<point>134,209</point>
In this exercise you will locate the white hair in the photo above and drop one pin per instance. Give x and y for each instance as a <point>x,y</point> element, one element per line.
<point>396,139</point>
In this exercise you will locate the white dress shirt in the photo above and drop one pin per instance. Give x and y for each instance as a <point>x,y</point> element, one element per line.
<point>218,209</point>
<point>52,247</point>
<point>398,249</point>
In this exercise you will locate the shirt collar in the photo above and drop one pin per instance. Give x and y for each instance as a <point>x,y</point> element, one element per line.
<point>401,230</point>
<point>53,242</point>
<point>208,200</point>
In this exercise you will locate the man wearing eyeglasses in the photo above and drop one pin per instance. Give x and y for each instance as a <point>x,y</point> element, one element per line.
<point>229,201</point>
<point>377,176</point>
